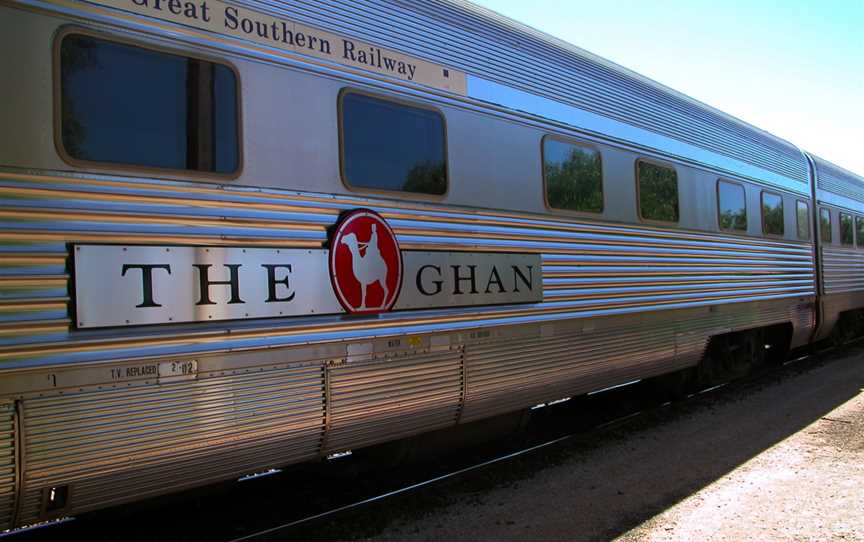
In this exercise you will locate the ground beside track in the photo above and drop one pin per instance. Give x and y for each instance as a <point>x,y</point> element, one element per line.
<point>781,458</point>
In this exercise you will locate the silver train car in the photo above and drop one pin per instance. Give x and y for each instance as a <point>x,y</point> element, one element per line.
<point>242,234</point>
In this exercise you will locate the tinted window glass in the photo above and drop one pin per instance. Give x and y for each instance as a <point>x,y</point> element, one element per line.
<point>859,231</point>
<point>803,213</point>
<point>847,236</point>
<point>658,192</point>
<point>732,206</point>
<point>825,225</point>
<point>392,146</point>
<point>127,105</point>
<point>574,176</point>
<point>772,213</point>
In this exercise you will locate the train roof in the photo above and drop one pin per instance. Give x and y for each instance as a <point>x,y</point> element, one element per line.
<point>491,47</point>
<point>836,180</point>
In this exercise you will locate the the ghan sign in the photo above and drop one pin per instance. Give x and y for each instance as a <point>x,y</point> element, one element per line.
<point>363,271</point>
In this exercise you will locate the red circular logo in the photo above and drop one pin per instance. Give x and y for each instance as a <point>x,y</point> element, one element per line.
<point>365,263</point>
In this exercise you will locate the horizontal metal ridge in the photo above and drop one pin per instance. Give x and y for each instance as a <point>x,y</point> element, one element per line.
<point>833,178</point>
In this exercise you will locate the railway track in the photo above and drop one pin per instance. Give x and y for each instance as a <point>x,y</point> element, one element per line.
<point>321,499</point>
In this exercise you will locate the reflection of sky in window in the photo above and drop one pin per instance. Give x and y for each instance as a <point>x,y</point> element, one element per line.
<point>132,105</point>
<point>122,88</point>
<point>731,198</point>
<point>225,123</point>
<point>383,141</point>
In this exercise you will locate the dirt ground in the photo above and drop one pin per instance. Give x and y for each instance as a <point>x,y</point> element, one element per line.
<point>782,459</point>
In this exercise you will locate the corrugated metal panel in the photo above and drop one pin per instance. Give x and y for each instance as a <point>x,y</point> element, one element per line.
<point>834,179</point>
<point>381,400</point>
<point>504,376</point>
<point>589,269</point>
<point>7,465</point>
<point>120,445</point>
<point>485,44</point>
<point>842,270</point>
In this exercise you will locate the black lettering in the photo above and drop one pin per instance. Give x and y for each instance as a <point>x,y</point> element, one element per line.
<point>205,283</point>
<point>231,18</point>
<point>146,282</point>
<point>287,35</point>
<point>175,7</point>
<point>272,282</point>
<point>495,278</point>
<point>458,279</point>
<point>348,50</point>
<point>142,3</point>
<point>300,39</point>
<point>518,275</point>
<point>312,40</point>
<point>390,63</point>
<point>411,70</point>
<point>261,28</point>
<point>205,12</point>
<point>438,283</point>
<point>325,46</point>
<point>157,5</point>
<point>247,26</point>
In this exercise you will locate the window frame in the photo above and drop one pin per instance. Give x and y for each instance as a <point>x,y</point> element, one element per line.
<point>762,212</point>
<point>830,239</point>
<point>859,239</point>
<point>746,214</point>
<point>400,101</point>
<point>656,163</point>
<point>851,216</point>
<point>575,143</point>
<point>807,223</point>
<point>125,169</point>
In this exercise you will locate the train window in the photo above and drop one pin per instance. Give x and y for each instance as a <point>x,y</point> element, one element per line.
<point>847,235</point>
<point>127,105</point>
<point>859,231</point>
<point>658,192</point>
<point>732,207</point>
<point>389,145</point>
<point>772,213</point>
<point>573,175</point>
<point>803,213</point>
<point>825,225</point>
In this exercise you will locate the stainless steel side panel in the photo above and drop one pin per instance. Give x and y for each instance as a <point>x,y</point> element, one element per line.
<point>125,444</point>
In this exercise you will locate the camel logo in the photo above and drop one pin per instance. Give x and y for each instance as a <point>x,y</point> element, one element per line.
<point>365,263</point>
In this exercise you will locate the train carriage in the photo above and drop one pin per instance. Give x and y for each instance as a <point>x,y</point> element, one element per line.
<point>240,235</point>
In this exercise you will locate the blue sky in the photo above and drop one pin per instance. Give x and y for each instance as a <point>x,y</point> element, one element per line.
<point>794,68</point>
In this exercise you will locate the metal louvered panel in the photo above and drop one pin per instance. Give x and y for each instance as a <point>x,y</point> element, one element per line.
<point>842,270</point>
<point>381,400</point>
<point>120,445</point>
<point>7,465</point>
<point>485,44</point>
<point>837,180</point>
<point>504,376</point>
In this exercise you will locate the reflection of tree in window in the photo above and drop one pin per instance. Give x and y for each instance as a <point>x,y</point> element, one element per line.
<point>388,145</point>
<point>574,177</point>
<point>72,60</point>
<point>772,213</point>
<point>427,178</point>
<point>733,210</point>
<point>859,227</point>
<point>847,236</point>
<point>803,220</point>
<point>658,192</point>
<point>825,225</point>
